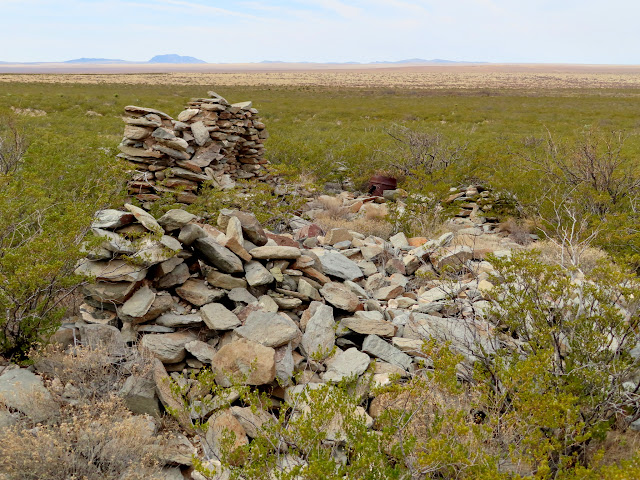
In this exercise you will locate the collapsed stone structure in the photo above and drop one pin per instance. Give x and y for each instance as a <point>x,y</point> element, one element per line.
<point>303,309</point>
<point>210,141</point>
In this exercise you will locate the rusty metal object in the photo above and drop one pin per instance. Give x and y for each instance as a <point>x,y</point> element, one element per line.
<point>379,183</point>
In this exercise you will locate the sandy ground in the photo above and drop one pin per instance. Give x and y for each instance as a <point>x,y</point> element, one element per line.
<point>517,76</point>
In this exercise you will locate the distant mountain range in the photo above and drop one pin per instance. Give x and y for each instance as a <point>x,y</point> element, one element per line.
<point>180,59</point>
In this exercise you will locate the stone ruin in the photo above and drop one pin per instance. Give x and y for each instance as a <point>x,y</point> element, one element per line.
<point>210,141</point>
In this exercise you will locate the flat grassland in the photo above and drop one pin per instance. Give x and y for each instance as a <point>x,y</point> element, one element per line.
<point>459,76</point>
<point>325,117</point>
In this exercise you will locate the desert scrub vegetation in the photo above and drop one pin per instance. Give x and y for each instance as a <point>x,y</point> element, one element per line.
<point>46,205</point>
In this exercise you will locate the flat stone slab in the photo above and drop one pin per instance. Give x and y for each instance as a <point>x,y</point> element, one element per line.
<point>268,329</point>
<point>377,347</point>
<point>337,265</point>
<point>24,391</point>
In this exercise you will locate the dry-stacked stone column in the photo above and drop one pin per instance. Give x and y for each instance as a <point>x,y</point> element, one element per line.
<point>210,141</point>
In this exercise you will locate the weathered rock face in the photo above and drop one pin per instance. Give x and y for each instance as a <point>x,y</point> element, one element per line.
<point>210,141</point>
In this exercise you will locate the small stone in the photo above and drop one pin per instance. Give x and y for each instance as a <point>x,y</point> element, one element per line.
<point>218,317</point>
<point>112,271</point>
<point>319,336</point>
<point>176,219</point>
<point>219,427</point>
<point>399,240</point>
<point>177,276</point>
<point>367,326</point>
<point>201,350</point>
<point>223,280</point>
<point>337,235</point>
<point>387,293</point>
<point>92,314</point>
<point>337,265</point>
<point>275,253</point>
<point>112,219</point>
<point>241,295</point>
<point>24,391</point>
<point>340,296</point>
<point>190,233</point>
<point>305,288</point>
<point>139,396</point>
<point>377,347</point>
<point>218,256</point>
<point>200,133</point>
<point>144,218</point>
<point>268,329</point>
<point>251,228</point>
<point>256,274</point>
<point>168,347</point>
<point>173,320</point>
<point>139,303</point>
<point>235,240</point>
<point>346,364</point>
<point>246,362</point>
<point>198,293</point>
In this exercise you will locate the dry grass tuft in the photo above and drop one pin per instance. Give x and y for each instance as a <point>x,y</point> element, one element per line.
<point>519,230</point>
<point>103,441</point>
<point>367,225</point>
<point>552,253</point>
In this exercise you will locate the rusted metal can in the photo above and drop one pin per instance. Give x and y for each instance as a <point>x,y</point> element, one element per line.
<point>380,183</point>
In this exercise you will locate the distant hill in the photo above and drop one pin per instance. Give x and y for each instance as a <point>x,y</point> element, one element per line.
<point>173,58</point>
<point>95,60</point>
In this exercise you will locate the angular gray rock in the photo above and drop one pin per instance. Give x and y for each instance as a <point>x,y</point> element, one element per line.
<point>217,317</point>
<point>269,329</point>
<point>24,391</point>
<point>256,274</point>
<point>226,281</point>
<point>337,265</point>
<point>201,350</point>
<point>368,326</point>
<point>139,304</point>
<point>175,320</point>
<point>377,347</point>
<point>319,336</point>
<point>275,253</point>
<point>112,219</point>
<point>144,218</point>
<point>168,347</point>
<point>196,292</point>
<point>345,364</point>
<point>139,395</point>
<point>340,296</point>
<point>218,256</point>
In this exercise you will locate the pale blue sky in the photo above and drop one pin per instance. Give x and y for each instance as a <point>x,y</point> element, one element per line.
<point>572,31</point>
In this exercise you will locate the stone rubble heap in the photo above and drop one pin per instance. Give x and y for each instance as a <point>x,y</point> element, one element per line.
<point>210,141</point>
<point>303,309</point>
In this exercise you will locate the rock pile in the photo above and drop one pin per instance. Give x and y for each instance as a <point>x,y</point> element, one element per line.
<point>210,141</point>
<point>278,312</point>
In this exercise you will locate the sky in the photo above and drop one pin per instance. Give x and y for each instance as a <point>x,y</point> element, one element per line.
<point>500,31</point>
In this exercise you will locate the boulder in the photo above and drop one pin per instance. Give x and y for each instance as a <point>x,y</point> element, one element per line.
<point>139,395</point>
<point>346,364</point>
